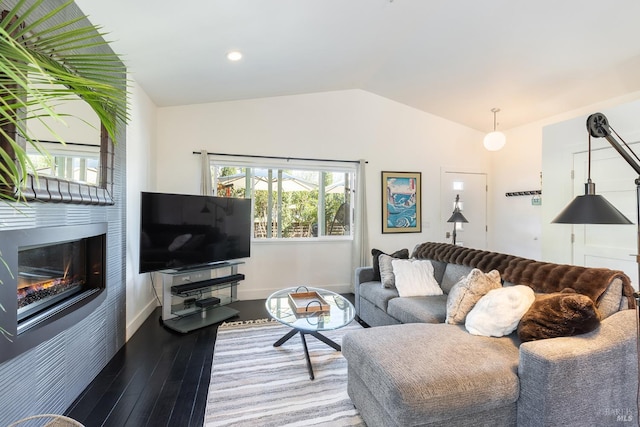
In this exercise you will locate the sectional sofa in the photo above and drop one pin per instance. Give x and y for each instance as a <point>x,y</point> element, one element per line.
<point>571,361</point>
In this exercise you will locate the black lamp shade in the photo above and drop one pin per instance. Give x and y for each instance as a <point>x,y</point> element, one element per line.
<point>457,217</point>
<point>591,209</point>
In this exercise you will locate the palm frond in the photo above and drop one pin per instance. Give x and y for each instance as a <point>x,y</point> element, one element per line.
<point>42,62</point>
<point>72,54</point>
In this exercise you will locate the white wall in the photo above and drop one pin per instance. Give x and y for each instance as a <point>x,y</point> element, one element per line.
<point>515,226</point>
<point>349,125</point>
<point>514,223</point>
<point>141,136</point>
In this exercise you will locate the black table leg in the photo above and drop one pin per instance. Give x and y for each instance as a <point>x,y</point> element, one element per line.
<point>285,338</point>
<point>306,355</point>
<point>318,336</point>
<point>326,340</point>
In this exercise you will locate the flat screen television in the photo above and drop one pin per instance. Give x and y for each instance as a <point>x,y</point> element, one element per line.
<point>180,231</point>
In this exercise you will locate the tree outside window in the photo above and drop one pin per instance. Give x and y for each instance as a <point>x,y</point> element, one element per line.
<point>291,203</point>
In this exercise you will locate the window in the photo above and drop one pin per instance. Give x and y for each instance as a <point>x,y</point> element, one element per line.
<point>293,201</point>
<point>78,158</point>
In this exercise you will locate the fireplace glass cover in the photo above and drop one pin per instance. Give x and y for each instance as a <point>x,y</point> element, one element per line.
<point>51,274</point>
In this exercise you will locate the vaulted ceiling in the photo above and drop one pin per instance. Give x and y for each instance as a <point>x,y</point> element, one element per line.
<point>456,59</point>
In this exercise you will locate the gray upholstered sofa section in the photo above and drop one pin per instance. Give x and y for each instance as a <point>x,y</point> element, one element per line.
<point>421,383</point>
<point>373,300</point>
<point>414,370</point>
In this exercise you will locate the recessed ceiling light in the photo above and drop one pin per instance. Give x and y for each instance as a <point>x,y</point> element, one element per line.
<point>234,55</point>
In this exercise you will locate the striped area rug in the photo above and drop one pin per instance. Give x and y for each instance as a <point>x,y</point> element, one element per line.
<point>256,384</point>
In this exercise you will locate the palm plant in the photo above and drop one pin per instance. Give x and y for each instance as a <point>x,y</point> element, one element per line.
<point>43,63</point>
<point>46,59</point>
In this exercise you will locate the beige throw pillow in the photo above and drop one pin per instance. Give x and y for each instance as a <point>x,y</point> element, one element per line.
<point>467,292</point>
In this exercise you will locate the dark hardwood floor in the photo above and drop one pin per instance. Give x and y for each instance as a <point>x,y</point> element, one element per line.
<point>159,378</point>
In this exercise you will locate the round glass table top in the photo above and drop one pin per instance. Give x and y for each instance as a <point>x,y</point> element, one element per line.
<point>340,312</point>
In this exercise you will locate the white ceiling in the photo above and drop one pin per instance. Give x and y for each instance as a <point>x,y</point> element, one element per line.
<point>453,58</point>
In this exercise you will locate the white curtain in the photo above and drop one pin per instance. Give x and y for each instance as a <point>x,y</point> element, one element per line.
<point>360,251</point>
<point>205,182</point>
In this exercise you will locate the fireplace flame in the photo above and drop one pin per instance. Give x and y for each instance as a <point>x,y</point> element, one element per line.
<point>36,291</point>
<point>66,269</point>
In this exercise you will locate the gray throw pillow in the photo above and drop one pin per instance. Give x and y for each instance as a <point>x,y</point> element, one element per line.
<point>402,254</point>
<point>387,277</point>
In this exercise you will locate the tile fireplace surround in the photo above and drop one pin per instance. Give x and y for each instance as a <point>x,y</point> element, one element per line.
<point>55,372</point>
<point>70,354</point>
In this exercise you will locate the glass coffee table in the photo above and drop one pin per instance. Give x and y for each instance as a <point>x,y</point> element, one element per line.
<point>340,312</point>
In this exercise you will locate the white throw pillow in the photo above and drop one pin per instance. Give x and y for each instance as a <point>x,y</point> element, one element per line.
<point>498,312</point>
<point>415,278</point>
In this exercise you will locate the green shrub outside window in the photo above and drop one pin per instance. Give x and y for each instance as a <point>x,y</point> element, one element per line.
<point>291,203</point>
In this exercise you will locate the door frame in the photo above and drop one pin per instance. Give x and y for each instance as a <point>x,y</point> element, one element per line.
<point>464,171</point>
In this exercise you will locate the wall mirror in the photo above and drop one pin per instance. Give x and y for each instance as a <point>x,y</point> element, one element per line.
<point>51,45</point>
<point>77,171</point>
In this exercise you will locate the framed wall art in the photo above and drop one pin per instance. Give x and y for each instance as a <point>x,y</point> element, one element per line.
<point>401,202</point>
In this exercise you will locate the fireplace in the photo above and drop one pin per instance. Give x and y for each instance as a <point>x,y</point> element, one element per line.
<point>55,275</point>
<point>52,276</point>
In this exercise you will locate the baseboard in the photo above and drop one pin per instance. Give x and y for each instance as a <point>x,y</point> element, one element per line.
<point>138,320</point>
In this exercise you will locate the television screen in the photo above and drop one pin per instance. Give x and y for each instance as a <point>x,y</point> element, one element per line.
<point>178,231</point>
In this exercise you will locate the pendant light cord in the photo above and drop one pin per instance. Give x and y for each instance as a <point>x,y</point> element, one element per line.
<point>589,160</point>
<point>495,122</point>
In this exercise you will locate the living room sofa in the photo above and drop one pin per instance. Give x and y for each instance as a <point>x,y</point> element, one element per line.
<point>412,369</point>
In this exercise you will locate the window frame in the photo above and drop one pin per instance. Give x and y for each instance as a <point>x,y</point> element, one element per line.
<point>62,156</point>
<point>320,167</point>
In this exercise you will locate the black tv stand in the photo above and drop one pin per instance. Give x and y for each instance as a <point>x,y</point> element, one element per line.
<point>195,297</point>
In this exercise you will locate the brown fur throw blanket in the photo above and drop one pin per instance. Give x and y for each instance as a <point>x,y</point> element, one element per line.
<point>559,314</point>
<point>542,277</point>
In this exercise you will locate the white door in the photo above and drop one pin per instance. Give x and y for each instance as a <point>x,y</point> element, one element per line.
<point>610,246</point>
<point>472,189</point>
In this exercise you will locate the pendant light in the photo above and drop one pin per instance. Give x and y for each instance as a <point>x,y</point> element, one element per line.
<point>592,208</point>
<point>495,140</point>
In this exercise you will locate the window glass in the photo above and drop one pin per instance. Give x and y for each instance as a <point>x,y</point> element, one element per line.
<point>73,162</point>
<point>291,202</point>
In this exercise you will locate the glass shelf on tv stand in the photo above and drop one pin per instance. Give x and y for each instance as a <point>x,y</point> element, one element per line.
<point>181,311</point>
